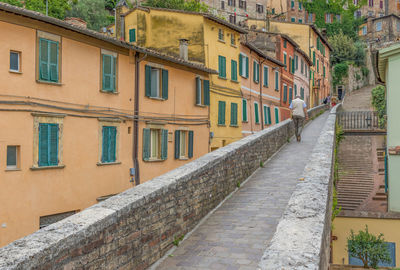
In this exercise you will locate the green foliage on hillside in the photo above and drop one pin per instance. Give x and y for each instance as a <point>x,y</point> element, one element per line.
<point>369,248</point>
<point>347,23</point>
<point>340,71</point>
<point>57,8</point>
<point>189,5</point>
<point>379,103</point>
<point>93,12</point>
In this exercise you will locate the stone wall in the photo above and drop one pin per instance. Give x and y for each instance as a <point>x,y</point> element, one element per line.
<point>302,238</point>
<point>134,229</point>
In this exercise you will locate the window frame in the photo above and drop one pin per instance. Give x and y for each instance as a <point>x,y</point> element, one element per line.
<point>114,71</point>
<point>221,33</point>
<point>221,68</point>
<point>256,113</point>
<point>162,93</point>
<point>50,38</point>
<point>202,91</point>
<point>18,53</point>
<point>245,114</point>
<point>266,80</point>
<point>114,158</point>
<point>17,158</point>
<point>234,114</point>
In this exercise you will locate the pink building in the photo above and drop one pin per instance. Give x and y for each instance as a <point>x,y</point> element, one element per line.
<point>260,86</point>
<point>302,75</point>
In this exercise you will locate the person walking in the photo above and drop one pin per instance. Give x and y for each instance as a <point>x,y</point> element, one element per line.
<point>299,113</point>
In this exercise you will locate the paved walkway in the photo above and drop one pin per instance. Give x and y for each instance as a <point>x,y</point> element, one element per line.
<point>359,100</point>
<point>237,233</point>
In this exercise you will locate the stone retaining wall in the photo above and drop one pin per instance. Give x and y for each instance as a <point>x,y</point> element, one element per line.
<point>135,228</point>
<point>302,238</point>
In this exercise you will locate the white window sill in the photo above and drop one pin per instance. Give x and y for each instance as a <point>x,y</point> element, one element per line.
<point>183,158</point>
<point>15,71</point>
<point>37,168</point>
<point>109,92</point>
<point>222,41</point>
<point>51,83</point>
<point>154,160</point>
<point>157,98</point>
<point>201,105</point>
<point>11,169</point>
<point>108,163</point>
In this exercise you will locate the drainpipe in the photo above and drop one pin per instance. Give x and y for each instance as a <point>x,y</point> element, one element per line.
<point>261,100</point>
<point>136,119</point>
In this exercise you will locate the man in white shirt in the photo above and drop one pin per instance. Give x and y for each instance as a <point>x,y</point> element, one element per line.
<point>299,112</point>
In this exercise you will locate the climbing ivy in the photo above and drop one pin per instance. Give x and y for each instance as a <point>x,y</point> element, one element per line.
<point>379,103</point>
<point>340,71</point>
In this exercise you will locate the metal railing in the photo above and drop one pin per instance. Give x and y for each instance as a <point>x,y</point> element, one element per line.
<point>361,120</point>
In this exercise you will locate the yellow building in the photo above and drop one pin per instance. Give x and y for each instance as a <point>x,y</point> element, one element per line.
<point>315,45</point>
<point>80,111</point>
<point>200,38</point>
<point>386,223</point>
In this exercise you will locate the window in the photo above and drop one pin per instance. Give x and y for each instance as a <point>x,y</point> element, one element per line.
<point>310,17</point>
<point>267,115</point>
<point>48,144</point>
<point>293,19</point>
<point>202,92</point>
<point>285,93</point>
<point>302,93</point>
<point>48,60</point>
<point>284,60</point>
<point>313,57</point>
<point>371,3</point>
<point>276,115</point>
<point>221,35</point>
<point>273,11</point>
<point>338,18</point>
<point>290,64</point>
<point>242,4</point>
<point>302,66</point>
<point>155,144</point>
<point>364,30</point>
<point>290,94</point>
<point>232,19</point>
<point>222,5</point>
<point>381,4</point>
<point>15,61</point>
<point>266,70</point>
<point>295,90</point>
<point>300,21</point>
<point>324,71</point>
<point>243,66</point>
<point>109,144</point>
<point>234,108</point>
<point>233,70</point>
<point>132,35</point>
<point>300,5</point>
<point>328,18</point>
<point>392,253</point>
<point>379,26</point>
<point>156,82</point>
<point>222,66</point>
<point>292,4</point>
<point>232,3</point>
<point>184,144</point>
<point>259,8</point>
<point>276,80</point>
<point>296,62</point>
<point>318,65</point>
<point>109,69</point>
<point>221,112</point>
<point>12,157</point>
<point>256,72</point>
<point>285,44</point>
<point>244,110</point>
<point>256,113</point>
<point>233,39</point>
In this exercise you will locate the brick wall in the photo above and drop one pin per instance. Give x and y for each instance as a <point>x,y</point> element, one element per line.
<point>135,228</point>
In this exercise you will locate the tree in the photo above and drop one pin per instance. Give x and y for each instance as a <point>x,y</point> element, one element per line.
<point>93,12</point>
<point>368,248</point>
<point>343,48</point>
<point>189,5</point>
<point>57,8</point>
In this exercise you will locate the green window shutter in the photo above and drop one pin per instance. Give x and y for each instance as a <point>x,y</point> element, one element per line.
<point>284,93</point>
<point>146,144</point>
<point>247,67</point>
<point>293,65</point>
<point>107,72</point>
<point>234,70</point>
<point>221,112</point>
<point>191,138</point>
<point>206,85</point>
<point>284,60</point>
<point>53,143</point>
<point>276,80</point>
<point>269,116</point>
<point>44,59</point>
<point>198,91</point>
<point>256,113</point>
<point>318,66</point>
<point>254,71</point>
<point>276,115</point>
<point>177,143</point>
<point>53,61</point>
<point>313,57</point>
<point>240,65</point>
<point>164,144</point>
<point>105,144</point>
<point>290,94</point>
<point>297,62</point>
<point>112,144</point>
<point>258,72</point>
<point>43,145</point>
<point>302,93</point>
<point>165,84</point>
<point>148,81</point>
<point>132,35</point>
<point>295,90</point>
<point>265,116</point>
<point>234,108</point>
<point>266,76</point>
<point>222,66</point>
<point>324,71</point>
<point>244,110</point>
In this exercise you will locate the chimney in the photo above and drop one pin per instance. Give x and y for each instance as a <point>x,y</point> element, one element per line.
<point>183,49</point>
<point>120,8</point>
<point>76,22</point>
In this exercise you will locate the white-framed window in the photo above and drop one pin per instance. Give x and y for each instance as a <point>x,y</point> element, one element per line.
<point>13,157</point>
<point>243,65</point>
<point>259,8</point>
<point>221,34</point>
<point>379,26</point>
<point>184,144</point>
<point>256,113</point>
<point>276,80</point>
<point>15,61</point>
<point>156,82</point>
<point>155,143</point>
<point>266,76</point>
<point>233,38</point>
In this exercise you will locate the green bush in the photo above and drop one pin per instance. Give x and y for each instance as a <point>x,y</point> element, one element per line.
<point>379,103</point>
<point>340,71</point>
<point>357,77</point>
<point>368,248</point>
<point>365,72</point>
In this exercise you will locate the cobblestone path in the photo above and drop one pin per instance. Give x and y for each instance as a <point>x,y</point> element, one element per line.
<point>359,100</point>
<point>237,233</point>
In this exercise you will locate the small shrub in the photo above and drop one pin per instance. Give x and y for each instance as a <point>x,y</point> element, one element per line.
<point>261,164</point>
<point>178,239</point>
<point>238,184</point>
<point>357,77</point>
<point>379,103</point>
<point>365,72</point>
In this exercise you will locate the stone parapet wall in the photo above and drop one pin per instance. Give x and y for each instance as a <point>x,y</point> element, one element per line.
<point>134,229</point>
<point>302,238</point>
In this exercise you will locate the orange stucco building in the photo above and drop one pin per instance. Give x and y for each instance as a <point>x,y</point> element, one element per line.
<point>80,122</point>
<point>260,86</point>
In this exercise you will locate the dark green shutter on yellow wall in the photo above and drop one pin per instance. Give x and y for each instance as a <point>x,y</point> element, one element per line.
<point>165,84</point>
<point>191,140</point>
<point>132,35</point>
<point>290,94</point>
<point>276,115</point>
<point>244,110</point>
<point>233,70</point>
<point>109,144</point>
<point>148,81</point>
<point>234,108</point>
<point>206,85</point>
<point>48,60</point>
<point>198,91</point>
<point>177,143</point>
<point>221,112</point>
<point>222,66</point>
<point>109,70</point>
<point>269,116</point>
<point>276,80</point>
<point>146,144</point>
<point>164,144</point>
<point>240,65</point>
<point>247,67</point>
<point>256,113</point>
<point>48,144</point>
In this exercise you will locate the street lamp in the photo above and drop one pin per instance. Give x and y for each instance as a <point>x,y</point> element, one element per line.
<point>368,120</point>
